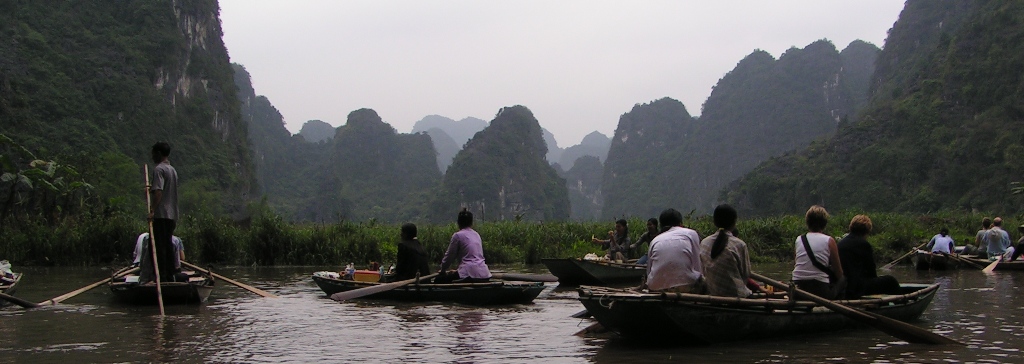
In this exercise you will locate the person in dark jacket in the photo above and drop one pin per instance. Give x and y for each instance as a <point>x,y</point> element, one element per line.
<point>858,260</point>
<point>412,257</point>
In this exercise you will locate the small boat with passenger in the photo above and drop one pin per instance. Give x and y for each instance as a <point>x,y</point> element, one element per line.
<point>9,284</point>
<point>924,260</point>
<point>189,287</point>
<point>695,318</point>
<point>495,292</point>
<point>576,271</point>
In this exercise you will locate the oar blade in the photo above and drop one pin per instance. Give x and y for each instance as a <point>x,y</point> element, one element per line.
<point>991,267</point>
<point>366,291</point>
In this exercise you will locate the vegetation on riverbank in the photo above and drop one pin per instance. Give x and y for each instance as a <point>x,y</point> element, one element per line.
<point>266,239</point>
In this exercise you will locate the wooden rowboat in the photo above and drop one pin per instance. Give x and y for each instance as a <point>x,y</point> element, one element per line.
<point>9,288</point>
<point>477,294</point>
<point>195,291</point>
<point>574,272</point>
<point>1003,266</point>
<point>927,261</point>
<point>691,318</point>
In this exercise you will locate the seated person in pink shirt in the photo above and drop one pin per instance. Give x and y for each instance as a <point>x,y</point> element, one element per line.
<point>467,251</point>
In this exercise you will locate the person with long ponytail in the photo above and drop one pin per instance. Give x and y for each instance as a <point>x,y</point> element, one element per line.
<point>725,258</point>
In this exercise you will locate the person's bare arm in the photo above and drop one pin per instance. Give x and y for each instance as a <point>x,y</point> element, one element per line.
<point>833,258</point>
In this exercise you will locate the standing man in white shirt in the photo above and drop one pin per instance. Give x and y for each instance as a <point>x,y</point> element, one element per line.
<point>674,257</point>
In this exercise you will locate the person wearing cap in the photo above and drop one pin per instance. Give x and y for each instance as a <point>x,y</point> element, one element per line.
<point>467,251</point>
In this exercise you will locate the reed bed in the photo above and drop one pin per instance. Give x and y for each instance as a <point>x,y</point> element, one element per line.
<point>266,239</point>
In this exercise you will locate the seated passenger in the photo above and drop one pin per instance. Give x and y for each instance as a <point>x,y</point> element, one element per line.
<point>412,258</point>
<point>941,243</point>
<point>617,245</point>
<point>818,270</point>
<point>142,249</point>
<point>467,251</point>
<point>724,257</point>
<point>858,262</point>
<point>647,237</point>
<point>674,263</point>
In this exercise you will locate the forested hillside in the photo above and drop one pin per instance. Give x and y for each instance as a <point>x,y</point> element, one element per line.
<point>95,84</point>
<point>941,131</point>
<point>315,131</point>
<point>660,157</point>
<point>501,174</point>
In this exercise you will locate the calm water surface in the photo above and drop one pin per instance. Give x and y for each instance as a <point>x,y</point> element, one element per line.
<point>306,326</point>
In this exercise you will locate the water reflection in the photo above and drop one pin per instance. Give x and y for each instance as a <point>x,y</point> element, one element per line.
<point>305,326</point>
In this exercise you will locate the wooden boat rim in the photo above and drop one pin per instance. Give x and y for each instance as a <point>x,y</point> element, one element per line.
<point>602,262</point>
<point>434,285</point>
<point>17,278</point>
<point>605,293</point>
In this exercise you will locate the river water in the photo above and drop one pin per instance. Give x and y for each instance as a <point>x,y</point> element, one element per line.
<point>304,326</point>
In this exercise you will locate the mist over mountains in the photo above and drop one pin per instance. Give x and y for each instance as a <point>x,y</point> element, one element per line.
<point>926,123</point>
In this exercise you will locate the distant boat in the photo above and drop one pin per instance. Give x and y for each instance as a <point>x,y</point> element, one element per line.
<point>927,261</point>
<point>692,318</point>
<point>9,288</point>
<point>476,294</point>
<point>195,291</point>
<point>575,272</point>
<point>1004,265</point>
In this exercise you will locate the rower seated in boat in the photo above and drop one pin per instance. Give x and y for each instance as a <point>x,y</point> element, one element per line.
<point>412,257</point>
<point>674,258</point>
<point>467,251</point>
<point>941,243</point>
<point>142,253</point>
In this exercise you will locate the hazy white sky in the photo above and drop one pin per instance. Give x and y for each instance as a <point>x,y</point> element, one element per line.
<point>578,65</point>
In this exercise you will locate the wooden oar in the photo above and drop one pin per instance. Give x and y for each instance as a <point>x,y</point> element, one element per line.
<point>965,261</point>
<point>912,251</point>
<point>152,244</point>
<point>890,326</point>
<point>992,267</point>
<point>229,280</point>
<point>17,301</point>
<point>581,314</point>
<point>525,277</point>
<point>63,297</point>
<point>366,291</point>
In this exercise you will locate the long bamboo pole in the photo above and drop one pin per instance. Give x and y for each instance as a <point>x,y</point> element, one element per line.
<point>152,244</point>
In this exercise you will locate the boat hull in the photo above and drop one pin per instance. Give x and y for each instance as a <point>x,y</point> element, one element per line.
<point>477,294</point>
<point>10,288</point>
<point>706,319</point>
<point>1002,266</point>
<point>196,291</point>
<point>575,272</point>
<point>928,261</point>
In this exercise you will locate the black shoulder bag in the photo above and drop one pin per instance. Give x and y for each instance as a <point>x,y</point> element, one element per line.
<point>838,285</point>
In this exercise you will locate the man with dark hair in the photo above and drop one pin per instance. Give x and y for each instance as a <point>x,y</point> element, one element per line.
<point>465,249</point>
<point>412,257</point>
<point>164,213</point>
<point>674,258</point>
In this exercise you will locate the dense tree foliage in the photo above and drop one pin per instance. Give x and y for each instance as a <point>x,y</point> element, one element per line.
<point>501,174</point>
<point>95,84</point>
<point>583,181</point>
<point>941,131</point>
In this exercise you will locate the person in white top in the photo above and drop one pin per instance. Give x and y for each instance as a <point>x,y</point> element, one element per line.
<point>142,247</point>
<point>942,243</point>
<point>674,257</point>
<point>819,273</point>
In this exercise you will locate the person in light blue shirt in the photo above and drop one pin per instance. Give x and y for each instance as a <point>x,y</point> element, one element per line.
<point>997,239</point>
<point>942,243</point>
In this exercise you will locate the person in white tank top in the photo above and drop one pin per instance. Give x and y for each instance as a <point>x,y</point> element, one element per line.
<point>806,275</point>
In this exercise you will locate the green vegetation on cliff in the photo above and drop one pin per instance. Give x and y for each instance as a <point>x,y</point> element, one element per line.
<point>941,131</point>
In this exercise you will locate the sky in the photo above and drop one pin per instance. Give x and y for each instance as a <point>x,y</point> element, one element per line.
<point>578,65</point>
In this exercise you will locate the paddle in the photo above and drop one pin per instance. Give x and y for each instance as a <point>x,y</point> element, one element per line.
<point>992,267</point>
<point>965,261</point>
<point>912,251</point>
<point>226,279</point>
<point>581,314</point>
<point>890,326</point>
<point>525,277</point>
<point>152,244</point>
<point>17,301</point>
<point>63,297</point>
<point>366,291</point>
